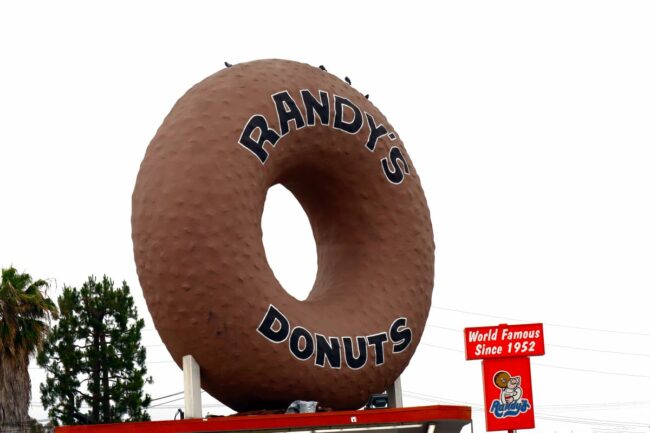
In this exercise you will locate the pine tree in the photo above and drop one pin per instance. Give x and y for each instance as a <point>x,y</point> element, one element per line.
<point>93,357</point>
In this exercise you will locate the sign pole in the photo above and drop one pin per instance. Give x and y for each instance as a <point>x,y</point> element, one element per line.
<point>395,394</point>
<point>192,387</point>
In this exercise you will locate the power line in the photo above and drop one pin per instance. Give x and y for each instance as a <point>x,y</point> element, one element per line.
<point>176,406</point>
<point>443,327</point>
<point>146,363</point>
<point>590,421</point>
<point>170,401</point>
<point>165,396</point>
<point>587,349</point>
<point>166,402</point>
<point>552,366</point>
<point>462,351</point>
<point>540,414</point>
<point>436,398</point>
<point>644,334</point>
<point>594,406</point>
<point>441,347</point>
<point>157,406</point>
<point>592,371</point>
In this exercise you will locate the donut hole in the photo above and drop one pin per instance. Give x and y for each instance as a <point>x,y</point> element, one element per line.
<point>289,242</point>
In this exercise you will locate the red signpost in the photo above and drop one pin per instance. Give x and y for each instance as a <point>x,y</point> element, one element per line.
<point>507,386</point>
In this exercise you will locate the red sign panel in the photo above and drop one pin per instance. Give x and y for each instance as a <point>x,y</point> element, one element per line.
<point>508,394</point>
<point>504,341</point>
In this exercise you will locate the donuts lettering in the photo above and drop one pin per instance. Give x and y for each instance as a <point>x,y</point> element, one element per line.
<point>196,226</point>
<point>304,345</point>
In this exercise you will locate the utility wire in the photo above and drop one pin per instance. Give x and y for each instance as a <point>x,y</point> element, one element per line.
<point>165,396</point>
<point>644,334</point>
<point>614,373</point>
<point>176,406</point>
<point>540,414</point>
<point>595,406</point>
<point>600,405</point>
<point>588,349</point>
<point>169,401</point>
<point>166,402</point>
<point>553,366</point>
<point>592,371</point>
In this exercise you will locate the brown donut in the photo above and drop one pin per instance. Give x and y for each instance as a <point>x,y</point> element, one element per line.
<point>501,379</point>
<point>197,207</point>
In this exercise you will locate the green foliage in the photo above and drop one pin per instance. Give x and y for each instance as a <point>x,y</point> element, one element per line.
<point>93,357</point>
<point>29,426</point>
<point>25,313</point>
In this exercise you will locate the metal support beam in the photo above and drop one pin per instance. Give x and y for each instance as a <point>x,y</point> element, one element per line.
<point>192,385</point>
<point>395,394</point>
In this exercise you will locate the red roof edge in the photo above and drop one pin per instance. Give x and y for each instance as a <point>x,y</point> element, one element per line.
<point>355,418</point>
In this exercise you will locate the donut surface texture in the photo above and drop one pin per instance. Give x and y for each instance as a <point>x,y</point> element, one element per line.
<point>196,226</point>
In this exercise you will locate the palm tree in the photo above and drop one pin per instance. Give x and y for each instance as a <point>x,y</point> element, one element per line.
<point>25,313</point>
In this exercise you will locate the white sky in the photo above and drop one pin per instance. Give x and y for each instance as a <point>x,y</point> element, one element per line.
<point>528,123</point>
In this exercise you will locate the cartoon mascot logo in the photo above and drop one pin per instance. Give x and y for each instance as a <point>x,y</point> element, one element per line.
<point>511,401</point>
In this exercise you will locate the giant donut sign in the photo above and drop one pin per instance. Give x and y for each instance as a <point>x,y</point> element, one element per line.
<point>196,225</point>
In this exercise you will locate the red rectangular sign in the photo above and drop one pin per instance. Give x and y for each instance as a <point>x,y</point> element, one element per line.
<point>508,394</point>
<point>504,341</point>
